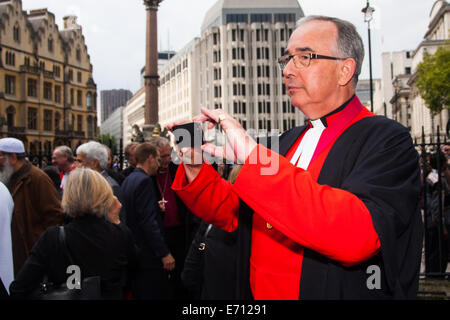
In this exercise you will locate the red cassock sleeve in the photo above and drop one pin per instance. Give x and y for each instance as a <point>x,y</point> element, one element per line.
<point>328,220</point>
<point>209,197</point>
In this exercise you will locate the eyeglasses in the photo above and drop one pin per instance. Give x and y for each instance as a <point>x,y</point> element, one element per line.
<point>302,60</point>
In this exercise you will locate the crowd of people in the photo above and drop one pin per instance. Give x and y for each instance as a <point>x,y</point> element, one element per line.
<point>328,210</point>
<point>435,202</point>
<point>126,226</point>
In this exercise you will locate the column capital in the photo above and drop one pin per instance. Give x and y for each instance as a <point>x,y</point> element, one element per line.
<point>152,4</point>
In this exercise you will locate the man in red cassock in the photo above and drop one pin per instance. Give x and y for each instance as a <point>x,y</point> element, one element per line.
<point>333,213</point>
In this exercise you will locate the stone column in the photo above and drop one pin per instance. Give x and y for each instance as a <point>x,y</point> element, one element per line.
<point>151,69</point>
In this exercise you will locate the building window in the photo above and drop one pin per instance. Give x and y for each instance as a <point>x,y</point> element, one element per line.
<point>10,58</point>
<point>71,97</point>
<point>407,70</point>
<point>32,87</point>
<point>79,99</point>
<point>57,120</point>
<point>32,118</point>
<point>217,91</point>
<point>48,120</point>
<point>89,100</point>
<point>56,71</point>
<point>235,18</point>
<point>80,123</point>
<point>260,18</point>
<point>16,33</point>
<point>90,126</point>
<point>58,94</point>
<point>47,91</point>
<point>79,76</point>
<point>50,45</point>
<point>78,54</point>
<point>10,116</point>
<point>284,17</point>
<point>26,61</point>
<point>10,85</point>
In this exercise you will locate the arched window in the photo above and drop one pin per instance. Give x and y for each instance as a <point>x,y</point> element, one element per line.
<point>10,116</point>
<point>78,54</point>
<point>16,33</point>
<point>50,44</point>
<point>89,100</point>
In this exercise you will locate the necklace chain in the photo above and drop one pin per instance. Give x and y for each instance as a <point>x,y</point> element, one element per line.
<point>162,191</point>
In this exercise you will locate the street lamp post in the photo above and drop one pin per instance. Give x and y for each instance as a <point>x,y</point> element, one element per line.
<point>368,15</point>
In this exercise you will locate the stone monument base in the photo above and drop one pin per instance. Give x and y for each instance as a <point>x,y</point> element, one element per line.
<point>148,131</point>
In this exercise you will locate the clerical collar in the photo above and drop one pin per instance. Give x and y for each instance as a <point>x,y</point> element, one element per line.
<point>337,110</point>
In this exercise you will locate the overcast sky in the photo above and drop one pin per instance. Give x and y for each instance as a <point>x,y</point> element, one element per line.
<point>114,30</point>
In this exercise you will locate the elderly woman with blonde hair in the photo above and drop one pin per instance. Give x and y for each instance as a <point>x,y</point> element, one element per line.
<point>97,246</point>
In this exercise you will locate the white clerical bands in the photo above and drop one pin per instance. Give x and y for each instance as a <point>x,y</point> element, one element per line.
<point>305,151</point>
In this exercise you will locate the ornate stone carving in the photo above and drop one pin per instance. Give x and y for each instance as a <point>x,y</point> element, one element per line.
<point>152,4</point>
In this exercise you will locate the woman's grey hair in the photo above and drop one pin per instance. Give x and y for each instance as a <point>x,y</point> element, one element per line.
<point>94,151</point>
<point>349,42</point>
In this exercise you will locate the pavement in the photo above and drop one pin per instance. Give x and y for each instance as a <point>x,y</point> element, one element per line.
<point>434,289</point>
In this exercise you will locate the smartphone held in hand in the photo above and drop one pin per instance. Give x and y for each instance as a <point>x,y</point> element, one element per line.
<point>189,135</point>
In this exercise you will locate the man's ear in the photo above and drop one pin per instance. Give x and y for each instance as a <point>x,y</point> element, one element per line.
<point>348,69</point>
<point>96,165</point>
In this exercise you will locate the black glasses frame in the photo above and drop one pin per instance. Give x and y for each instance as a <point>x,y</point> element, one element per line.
<point>282,64</point>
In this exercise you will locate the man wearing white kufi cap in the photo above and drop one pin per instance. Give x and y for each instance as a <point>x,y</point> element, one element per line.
<point>36,202</point>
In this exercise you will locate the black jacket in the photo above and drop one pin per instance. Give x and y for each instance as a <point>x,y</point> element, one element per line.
<point>210,272</point>
<point>97,246</point>
<point>144,218</point>
<point>375,160</point>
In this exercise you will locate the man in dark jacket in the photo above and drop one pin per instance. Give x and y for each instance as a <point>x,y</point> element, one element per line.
<point>179,223</point>
<point>145,221</point>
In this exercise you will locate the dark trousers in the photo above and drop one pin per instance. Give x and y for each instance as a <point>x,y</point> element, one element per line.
<point>151,284</point>
<point>175,237</point>
<point>436,262</point>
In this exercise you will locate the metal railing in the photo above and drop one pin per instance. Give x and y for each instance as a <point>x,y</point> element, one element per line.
<point>436,249</point>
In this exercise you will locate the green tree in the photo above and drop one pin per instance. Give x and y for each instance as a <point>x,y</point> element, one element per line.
<point>108,140</point>
<point>433,79</point>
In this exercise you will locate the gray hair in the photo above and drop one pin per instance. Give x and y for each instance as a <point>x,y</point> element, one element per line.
<point>65,151</point>
<point>349,42</point>
<point>159,142</point>
<point>94,151</point>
